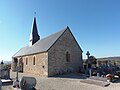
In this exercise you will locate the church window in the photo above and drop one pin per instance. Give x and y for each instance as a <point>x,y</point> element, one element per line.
<point>67,57</point>
<point>26,61</point>
<point>33,60</point>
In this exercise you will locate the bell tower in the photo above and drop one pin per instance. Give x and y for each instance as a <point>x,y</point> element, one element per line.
<point>34,36</point>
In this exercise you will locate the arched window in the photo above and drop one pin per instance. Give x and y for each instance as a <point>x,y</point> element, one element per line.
<point>26,60</point>
<point>33,60</point>
<point>67,57</point>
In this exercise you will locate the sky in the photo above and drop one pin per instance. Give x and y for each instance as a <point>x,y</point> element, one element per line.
<point>94,23</point>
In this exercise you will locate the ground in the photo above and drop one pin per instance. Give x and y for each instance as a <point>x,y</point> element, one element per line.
<point>64,83</point>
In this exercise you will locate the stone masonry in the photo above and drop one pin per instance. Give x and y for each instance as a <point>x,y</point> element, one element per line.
<point>41,64</point>
<point>57,55</point>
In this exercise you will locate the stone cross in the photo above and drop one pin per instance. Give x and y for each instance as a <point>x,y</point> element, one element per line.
<point>17,70</point>
<point>89,62</point>
<point>88,54</point>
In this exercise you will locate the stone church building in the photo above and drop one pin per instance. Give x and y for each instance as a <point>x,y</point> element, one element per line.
<point>56,54</point>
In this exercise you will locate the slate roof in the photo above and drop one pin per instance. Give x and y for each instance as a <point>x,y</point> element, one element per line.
<point>41,45</point>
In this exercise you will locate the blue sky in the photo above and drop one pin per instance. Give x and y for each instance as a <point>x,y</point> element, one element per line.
<point>94,23</point>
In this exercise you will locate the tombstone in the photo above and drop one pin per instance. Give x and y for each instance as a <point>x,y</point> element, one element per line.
<point>4,71</point>
<point>1,65</point>
<point>27,83</point>
<point>98,74</point>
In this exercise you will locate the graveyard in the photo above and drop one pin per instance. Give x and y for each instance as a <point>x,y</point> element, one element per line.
<point>93,77</point>
<point>65,82</point>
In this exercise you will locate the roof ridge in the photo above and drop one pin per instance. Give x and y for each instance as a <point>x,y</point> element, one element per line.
<point>55,33</point>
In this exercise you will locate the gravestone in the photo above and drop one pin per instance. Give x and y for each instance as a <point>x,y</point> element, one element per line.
<point>28,83</point>
<point>98,78</point>
<point>100,81</point>
<point>4,71</point>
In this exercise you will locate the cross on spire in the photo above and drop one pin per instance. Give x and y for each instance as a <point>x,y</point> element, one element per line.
<point>35,14</point>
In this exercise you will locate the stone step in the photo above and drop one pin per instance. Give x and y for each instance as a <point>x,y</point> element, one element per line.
<point>96,82</point>
<point>98,78</point>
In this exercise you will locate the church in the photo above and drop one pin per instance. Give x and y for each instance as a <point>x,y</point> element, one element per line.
<point>56,54</point>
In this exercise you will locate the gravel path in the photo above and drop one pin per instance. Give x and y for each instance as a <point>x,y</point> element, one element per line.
<point>56,83</point>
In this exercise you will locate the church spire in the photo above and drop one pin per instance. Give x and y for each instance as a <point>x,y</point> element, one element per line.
<point>34,37</point>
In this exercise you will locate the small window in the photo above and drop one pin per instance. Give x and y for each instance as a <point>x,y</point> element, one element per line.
<point>26,61</point>
<point>67,57</point>
<point>34,60</point>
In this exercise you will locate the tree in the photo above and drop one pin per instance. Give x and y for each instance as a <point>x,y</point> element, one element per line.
<point>93,60</point>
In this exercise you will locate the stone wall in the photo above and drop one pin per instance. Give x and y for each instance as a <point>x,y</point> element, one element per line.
<point>41,64</point>
<point>57,55</point>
